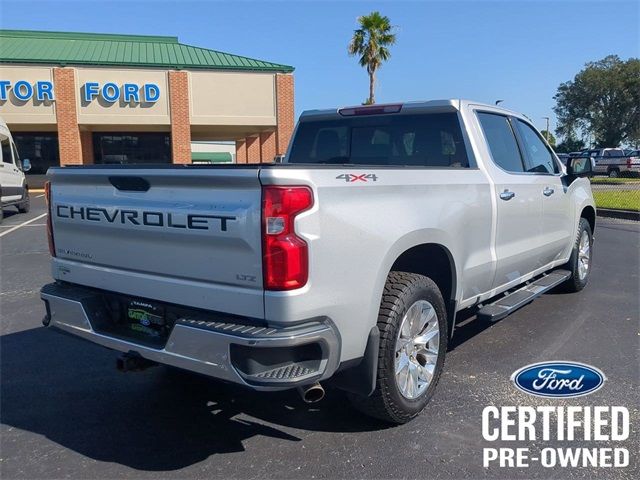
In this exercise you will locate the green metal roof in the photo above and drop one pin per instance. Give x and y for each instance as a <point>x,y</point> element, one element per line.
<point>68,48</point>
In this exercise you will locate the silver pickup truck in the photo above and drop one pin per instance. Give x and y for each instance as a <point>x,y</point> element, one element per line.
<point>347,263</point>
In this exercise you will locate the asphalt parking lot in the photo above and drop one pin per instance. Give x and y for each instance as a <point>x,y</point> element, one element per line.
<point>67,413</point>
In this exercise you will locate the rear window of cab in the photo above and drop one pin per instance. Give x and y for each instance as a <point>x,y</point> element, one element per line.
<point>422,140</point>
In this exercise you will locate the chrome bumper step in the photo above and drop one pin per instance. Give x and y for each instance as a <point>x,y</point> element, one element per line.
<point>265,358</point>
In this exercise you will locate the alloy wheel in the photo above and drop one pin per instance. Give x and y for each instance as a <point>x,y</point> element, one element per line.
<point>416,349</point>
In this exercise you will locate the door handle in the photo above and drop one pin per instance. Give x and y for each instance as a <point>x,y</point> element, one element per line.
<point>547,192</point>
<point>507,195</point>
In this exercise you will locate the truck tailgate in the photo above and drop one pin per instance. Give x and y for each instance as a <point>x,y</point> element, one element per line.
<point>182,235</point>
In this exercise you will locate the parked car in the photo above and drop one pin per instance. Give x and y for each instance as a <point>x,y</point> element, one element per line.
<point>13,185</point>
<point>347,263</point>
<point>614,162</point>
<point>563,157</point>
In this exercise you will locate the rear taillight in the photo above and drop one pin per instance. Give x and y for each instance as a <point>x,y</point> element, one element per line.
<point>47,197</point>
<point>629,162</point>
<point>285,256</point>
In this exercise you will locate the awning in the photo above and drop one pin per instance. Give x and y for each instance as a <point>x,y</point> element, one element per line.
<point>211,157</point>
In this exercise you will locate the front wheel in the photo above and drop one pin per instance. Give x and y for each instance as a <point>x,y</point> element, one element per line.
<point>413,342</point>
<point>580,261</point>
<point>614,173</point>
<point>25,204</point>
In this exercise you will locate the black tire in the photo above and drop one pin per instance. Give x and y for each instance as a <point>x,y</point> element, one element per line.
<point>1,214</point>
<point>25,204</point>
<point>575,283</point>
<point>387,403</point>
<point>614,173</point>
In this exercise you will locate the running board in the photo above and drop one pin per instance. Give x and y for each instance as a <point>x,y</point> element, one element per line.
<point>510,303</point>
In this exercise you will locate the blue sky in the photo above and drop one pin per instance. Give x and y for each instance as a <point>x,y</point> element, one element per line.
<point>517,50</point>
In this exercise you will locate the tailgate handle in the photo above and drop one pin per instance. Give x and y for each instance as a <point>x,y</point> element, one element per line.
<point>130,184</point>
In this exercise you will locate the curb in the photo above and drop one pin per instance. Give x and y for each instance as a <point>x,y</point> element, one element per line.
<point>622,214</point>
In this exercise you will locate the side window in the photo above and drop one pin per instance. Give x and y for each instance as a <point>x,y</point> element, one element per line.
<point>538,158</point>
<point>6,151</point>
<point>502,142</point>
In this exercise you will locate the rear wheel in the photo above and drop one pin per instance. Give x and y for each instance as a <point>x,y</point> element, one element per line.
<point>413,342</point>
<point>614,173</point>
<point>580,261</point>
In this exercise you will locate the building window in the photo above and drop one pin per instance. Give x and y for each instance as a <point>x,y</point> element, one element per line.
<point>124,148</point>
<point>40,148</point>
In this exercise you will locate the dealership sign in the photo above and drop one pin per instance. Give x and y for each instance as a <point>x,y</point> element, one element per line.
<point>24,90</point>
<point>129,92</point>
<point>110,92</point>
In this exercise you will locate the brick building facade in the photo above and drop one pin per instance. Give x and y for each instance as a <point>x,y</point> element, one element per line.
<point>139,99</point>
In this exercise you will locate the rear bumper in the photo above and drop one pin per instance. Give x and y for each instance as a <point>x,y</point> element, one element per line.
<point>262,358</point>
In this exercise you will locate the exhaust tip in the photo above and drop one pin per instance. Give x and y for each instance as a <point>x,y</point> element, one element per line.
<point>312,393</point>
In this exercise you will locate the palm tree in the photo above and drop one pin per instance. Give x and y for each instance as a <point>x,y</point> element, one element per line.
<point>371,42</point>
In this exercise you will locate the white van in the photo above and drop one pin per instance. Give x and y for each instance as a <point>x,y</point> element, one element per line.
<point>13,185</point>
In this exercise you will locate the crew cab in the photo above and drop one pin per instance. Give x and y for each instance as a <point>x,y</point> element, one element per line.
<point>346,263</point>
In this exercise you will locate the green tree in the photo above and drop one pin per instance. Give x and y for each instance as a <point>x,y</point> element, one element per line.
<point>570,144</point>
<point>551,140</point>
<point>604,100</point>
<point>371,43</point>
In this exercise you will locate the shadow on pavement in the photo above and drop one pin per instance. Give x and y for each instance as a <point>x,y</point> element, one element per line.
<point>161,419</point>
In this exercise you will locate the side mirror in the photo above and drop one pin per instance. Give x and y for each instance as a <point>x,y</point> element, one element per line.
<point>26,165</point>
<point>580,166</point>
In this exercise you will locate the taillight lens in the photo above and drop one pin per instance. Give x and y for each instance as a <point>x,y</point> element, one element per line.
<point>285,256</point>
<point>47,197</point>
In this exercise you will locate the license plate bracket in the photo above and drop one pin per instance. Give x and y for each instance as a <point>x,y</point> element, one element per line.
<point>146,318</point>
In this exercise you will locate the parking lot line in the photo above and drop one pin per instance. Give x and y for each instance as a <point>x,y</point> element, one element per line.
<point>22,224</point>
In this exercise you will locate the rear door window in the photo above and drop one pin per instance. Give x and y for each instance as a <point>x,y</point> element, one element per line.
<point>501,141</point>
<point>426,140</point>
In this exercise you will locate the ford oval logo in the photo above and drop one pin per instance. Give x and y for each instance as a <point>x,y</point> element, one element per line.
<point>558,379</point>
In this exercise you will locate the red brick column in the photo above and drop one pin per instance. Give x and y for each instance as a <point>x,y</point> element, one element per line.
<point>86,142</point>
<point>67,116</point>
<point>267,146</point>
<point>253,149</point>
<point>285,112</point>
<point>241,151</point>
<point>180,121</point>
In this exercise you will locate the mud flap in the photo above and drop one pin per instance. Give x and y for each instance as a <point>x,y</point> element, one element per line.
<point>361,378</point>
